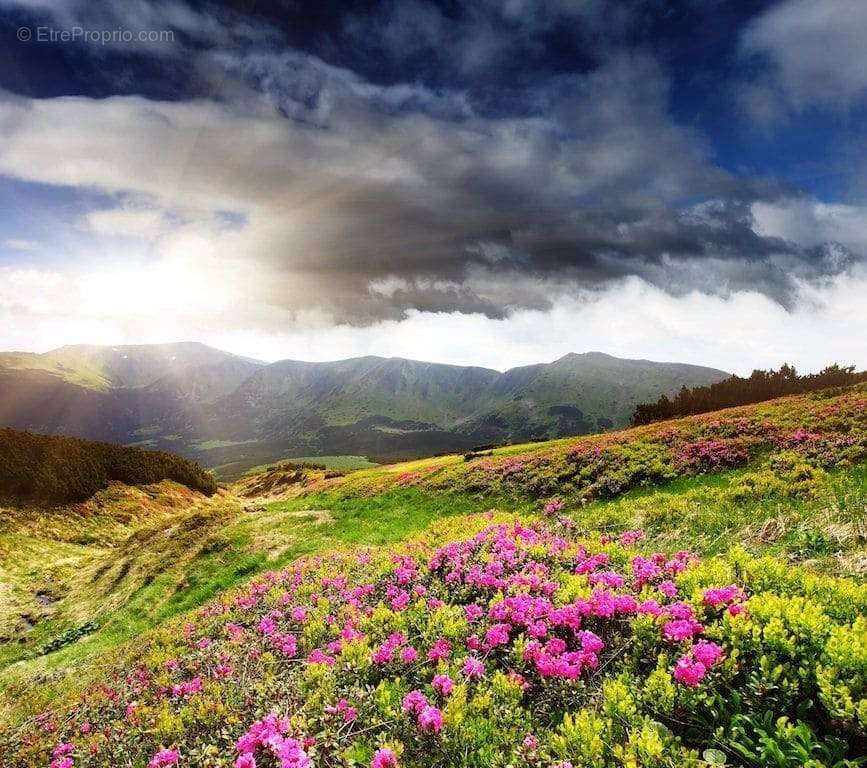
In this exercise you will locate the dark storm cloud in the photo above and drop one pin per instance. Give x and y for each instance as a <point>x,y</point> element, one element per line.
<point>368,198</point>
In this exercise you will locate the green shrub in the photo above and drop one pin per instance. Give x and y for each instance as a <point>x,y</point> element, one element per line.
<point>58,470</point>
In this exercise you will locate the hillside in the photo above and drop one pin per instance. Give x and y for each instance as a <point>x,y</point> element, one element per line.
<point>221,409</point>
<point>60,470</point>
<point>786,479</point>
<point>101,367</point>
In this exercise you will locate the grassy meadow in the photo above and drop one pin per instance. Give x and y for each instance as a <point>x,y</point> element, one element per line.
<point>85,585</point>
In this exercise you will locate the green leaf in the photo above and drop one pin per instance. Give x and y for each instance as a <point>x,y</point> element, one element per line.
<point>714,757</point>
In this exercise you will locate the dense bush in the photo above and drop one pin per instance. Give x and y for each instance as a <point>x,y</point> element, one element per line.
<point>58,470</point>
<point>736,390</point>
<point>521,645</point>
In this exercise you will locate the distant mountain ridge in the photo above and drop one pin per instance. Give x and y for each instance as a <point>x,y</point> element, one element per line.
<point>222,408</point>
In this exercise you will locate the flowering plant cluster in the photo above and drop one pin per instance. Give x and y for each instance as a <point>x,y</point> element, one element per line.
<point>825,430</point>
<point>712,455</point>
<point>517,644</point>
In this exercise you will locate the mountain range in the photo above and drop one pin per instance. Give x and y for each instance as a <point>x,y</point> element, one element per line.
<point>234,412</point>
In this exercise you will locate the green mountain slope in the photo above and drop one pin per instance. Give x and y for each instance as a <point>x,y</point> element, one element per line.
<point>205,403</point>
<point>141,364</point>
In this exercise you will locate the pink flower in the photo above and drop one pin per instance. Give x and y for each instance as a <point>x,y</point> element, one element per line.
<point>591,642</point>
<point>349,713</point>
<point>408,655</point>
<point>164,757</point>
<point>688,671</point>
<point>473,668</point>
<point>430,719</point>
<point>628,538</point>
<point>187,688</point>
<point>269,734</point>
<point>530,742</point>
<point>318,656</point>
<point>267,626</point>
<point>86,728</point>
<point>443,684</point>
<point>439,650</point>
<point>707,653</point>
<point>681,629</point>
<point>717,596</point>
<point>553,507</point>
<point>415,701</point>
<point>223,671</point>
<point>64,748</point>
<point>384,758</point>
<point>498,634</point>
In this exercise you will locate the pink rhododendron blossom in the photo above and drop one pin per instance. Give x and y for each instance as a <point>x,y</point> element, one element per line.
<point>440,650</point>
<point>430,719</point>
<point>182,690</point>
<point>688,671</point>
<point>64,748</point>
<point>473,668</point>
<point>706,652</point>
<point>318,656</point>
<point>384,758</point>
<point>628,538</point>
<point>414,702</point>
<point>681,629</point>
<point>553,507</point>
<point>718,596</point>
<point>164,757</point>
<point>269,735</point>
<point>443,684</point>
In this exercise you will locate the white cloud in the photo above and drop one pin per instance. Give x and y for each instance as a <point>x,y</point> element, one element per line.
<point>817,52</point>
<point>810,222</point>
<point>174,301</point>
<point>127,222</point>
<point>14,244</point>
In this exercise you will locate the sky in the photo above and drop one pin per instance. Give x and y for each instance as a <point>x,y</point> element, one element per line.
<point>486,182</point>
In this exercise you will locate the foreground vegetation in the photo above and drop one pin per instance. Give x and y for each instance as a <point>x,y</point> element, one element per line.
<point>50,468</point>
<point>784,479</point>
<point>521,644</point>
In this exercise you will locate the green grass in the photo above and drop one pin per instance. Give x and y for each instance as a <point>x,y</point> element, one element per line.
<point>206,445</point>
<point>72,370</point>
<point>343,463</point>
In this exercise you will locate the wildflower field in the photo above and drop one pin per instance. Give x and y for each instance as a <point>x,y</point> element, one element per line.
<point>687,593</point>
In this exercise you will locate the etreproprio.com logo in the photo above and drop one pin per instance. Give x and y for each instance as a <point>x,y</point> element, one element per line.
<point>94,36</point>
